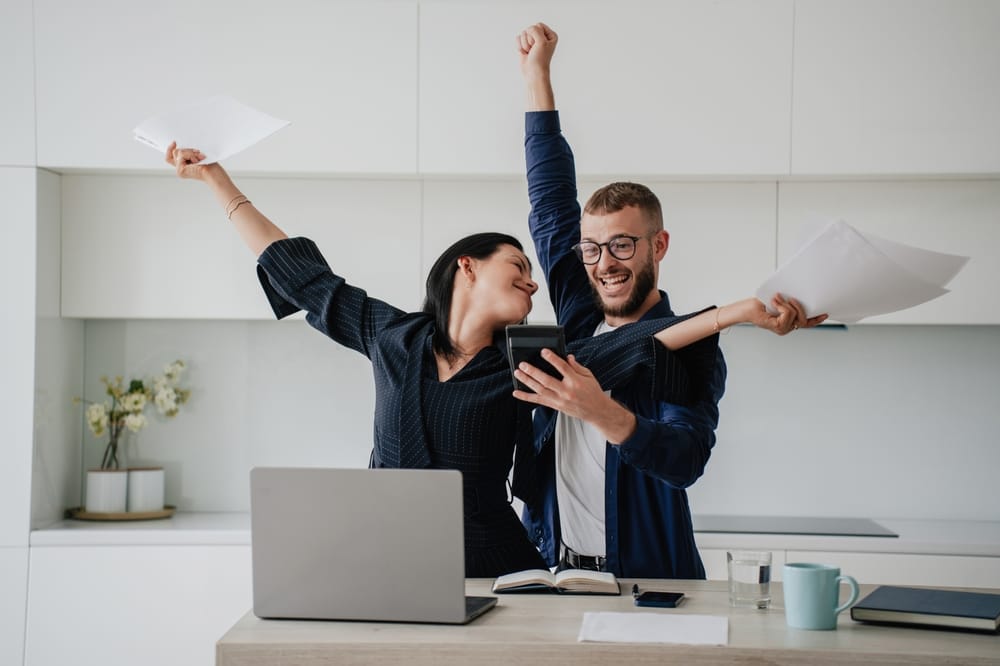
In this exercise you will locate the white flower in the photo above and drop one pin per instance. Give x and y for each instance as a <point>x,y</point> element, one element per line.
<point>166,401</point>
<point>172,371</point>
<point>134,402</point>
<point>97,418</point>
<point>135,422</point>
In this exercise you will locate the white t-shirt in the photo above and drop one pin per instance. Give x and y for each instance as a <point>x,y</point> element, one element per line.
<point>580,452</point>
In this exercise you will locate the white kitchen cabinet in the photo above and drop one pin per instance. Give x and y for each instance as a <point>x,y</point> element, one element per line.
<point>343,73</point>
<point>955,217</point>
<point>908,568</point>
<point>124,605</point>
<point>716,567</point>
<point>679,87</point>
<point>18,208</point>
<point>896,87</point>
<point>14,583</point>
<point>17,113</point>
<point>143,247</point>
<point>882,568</point>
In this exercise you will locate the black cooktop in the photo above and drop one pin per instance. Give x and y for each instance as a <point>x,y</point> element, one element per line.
<point>863,527</point>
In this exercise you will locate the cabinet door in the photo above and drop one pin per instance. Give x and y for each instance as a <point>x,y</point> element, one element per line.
<point>668,87</point>
<point>944,216</point>
<point>17,113</point>
<point>908,569</point>
<point>122,605</point>
<point>343,73</point>
<point>139,247</point>
<point>17,321</point>
<point>896,86</point>
<point>717,568</point>
<point>14,583</point>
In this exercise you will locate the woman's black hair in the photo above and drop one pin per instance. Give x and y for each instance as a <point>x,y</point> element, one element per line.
<point>441,281</point>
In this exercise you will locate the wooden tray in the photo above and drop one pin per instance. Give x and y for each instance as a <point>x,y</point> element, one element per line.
<point>79,513</point>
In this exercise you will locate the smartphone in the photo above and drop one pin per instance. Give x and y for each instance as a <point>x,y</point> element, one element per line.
<point>660,599</point>
<point>525,342</point>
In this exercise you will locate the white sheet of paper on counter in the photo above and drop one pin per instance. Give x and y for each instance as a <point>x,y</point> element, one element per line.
<point>850,275</point>
<point>654,628</point>
<point>218,126</point>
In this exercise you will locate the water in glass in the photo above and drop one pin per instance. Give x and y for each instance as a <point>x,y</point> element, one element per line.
<point>749,580</point>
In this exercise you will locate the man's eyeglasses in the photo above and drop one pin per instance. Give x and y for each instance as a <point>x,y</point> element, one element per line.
<point>621,247</point>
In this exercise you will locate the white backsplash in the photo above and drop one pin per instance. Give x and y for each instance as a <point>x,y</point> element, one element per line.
<point>874,421</point>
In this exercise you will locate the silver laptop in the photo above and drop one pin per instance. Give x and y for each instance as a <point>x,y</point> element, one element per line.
<point>360,544</point>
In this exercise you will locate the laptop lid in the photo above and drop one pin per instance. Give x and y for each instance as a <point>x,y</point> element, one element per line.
<point>359,544</point>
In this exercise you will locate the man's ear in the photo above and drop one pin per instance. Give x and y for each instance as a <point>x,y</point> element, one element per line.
<point>661,241</point>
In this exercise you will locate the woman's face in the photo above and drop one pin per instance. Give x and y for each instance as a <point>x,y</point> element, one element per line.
<point>503,285</point>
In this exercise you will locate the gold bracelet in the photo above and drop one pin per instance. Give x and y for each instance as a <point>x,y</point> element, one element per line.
<point>230,207</point>
<point>718,311</point>
<point>245,201</point>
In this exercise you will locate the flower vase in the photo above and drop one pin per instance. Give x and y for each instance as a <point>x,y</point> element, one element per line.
<point>145,489</point>
<point>106,490</point>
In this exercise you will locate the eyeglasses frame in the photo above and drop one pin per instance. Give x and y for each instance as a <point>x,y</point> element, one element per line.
<point>607,244</point>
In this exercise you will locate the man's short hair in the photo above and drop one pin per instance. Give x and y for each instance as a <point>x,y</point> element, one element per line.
<point>615,196</point>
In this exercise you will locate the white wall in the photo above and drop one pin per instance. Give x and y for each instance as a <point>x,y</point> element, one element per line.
<point>58,373</point>
<point>872,421</point>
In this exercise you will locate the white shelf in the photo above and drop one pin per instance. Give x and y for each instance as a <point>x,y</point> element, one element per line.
<point>181,529</point>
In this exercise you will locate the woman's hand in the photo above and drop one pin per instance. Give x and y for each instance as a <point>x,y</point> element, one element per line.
<point>186,162</point>
<point>790,315</point>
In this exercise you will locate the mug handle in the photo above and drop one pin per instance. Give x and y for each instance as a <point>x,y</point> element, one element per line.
<point>854,593</point>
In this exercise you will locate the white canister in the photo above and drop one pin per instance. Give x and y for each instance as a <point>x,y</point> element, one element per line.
<point>145,489</point>
<point>106,490</point>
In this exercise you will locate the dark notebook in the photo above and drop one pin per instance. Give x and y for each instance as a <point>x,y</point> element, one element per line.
<point>949,609</point>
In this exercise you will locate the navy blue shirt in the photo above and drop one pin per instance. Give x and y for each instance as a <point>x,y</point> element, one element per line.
<point>648,531</point>
<point>470,422</point>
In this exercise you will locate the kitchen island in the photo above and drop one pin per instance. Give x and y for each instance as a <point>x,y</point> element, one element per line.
<point>543,628</point>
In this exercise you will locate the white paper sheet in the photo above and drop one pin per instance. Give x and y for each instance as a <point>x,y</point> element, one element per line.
<point>219,127</point>
<point>654,628</point>
<point>849,275</point>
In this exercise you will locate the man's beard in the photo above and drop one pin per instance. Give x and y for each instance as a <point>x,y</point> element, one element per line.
<point>644,282</point>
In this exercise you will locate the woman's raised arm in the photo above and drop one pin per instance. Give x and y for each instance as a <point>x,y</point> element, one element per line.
<point>790,316</point>
<point>254,228</point>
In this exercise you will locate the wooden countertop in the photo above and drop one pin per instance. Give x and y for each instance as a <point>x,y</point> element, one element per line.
<point>531,629</point>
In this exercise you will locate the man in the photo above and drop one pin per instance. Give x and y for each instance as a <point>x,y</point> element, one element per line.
<point>612,486</point>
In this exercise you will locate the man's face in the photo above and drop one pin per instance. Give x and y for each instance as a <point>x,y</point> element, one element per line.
<point>624,288</point>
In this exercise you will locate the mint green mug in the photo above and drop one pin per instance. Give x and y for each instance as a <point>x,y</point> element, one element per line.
<point>811,595</point>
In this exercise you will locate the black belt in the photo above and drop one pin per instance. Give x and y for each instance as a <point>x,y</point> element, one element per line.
<point>570,559</point>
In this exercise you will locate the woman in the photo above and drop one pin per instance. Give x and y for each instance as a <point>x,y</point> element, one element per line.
<point>443,388</point>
